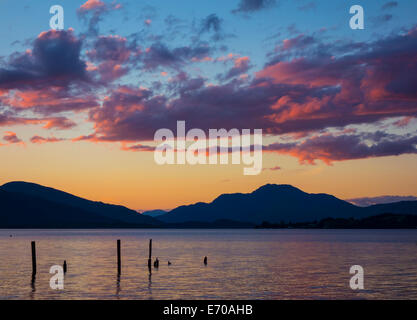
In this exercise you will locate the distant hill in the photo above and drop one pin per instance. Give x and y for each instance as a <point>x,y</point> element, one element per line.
<point>381,221</point>
<point>154,213</point>
<point>370,201</point>
<point>276,203</point>
<point>270,202</point>
<point>402,207</point>
<point>31,205</point>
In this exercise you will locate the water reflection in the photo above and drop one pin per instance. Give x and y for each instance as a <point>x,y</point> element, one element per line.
<point>150,283</point>
<point>302,264</point>
<point>118,286</point>
<point>33,286</point>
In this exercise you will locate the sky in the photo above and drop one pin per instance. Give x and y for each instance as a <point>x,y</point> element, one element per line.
<point>79,107</point>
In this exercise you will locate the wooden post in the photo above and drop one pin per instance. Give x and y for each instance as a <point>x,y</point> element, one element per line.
<point>65,266</point>
<point>150,255</point>
<point>119,260</point>
<point>33,258</point>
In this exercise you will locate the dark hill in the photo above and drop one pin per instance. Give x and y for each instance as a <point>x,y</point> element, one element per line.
<point>271,202</point>
<point>33,204</point>
<point>29,205</point>
<point>401,207</point>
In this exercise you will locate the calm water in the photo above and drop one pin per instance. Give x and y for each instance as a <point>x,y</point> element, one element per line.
<point>242,264</point>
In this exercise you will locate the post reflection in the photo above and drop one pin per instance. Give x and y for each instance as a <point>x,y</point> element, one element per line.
<point>118,289</point>
<point>33,286</point>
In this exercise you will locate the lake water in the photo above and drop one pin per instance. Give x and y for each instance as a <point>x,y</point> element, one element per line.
<point>242,264</point>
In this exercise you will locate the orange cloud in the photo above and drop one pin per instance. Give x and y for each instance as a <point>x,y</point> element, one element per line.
<point>92,4</point>
<point>41,140</point>
<point>11,137</point>
<point>49,100</point>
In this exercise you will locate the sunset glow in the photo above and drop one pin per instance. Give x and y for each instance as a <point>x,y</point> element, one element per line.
<point>79,107</point>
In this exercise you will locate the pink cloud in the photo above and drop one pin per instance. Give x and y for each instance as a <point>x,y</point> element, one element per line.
<point>92,4</point>
<point>41,140</point>
<point>11,137</point>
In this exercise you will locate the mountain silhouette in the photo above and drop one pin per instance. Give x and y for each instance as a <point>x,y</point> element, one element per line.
<point>276,203</point>
<point>29,205</point>
<point>154,213</point>
<point>26,204</point>
<point>401,207</point>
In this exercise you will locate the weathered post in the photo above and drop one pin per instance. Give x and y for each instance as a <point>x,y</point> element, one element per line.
<point>119,259</point>
<point>33,258</point>
<point>150,255</point>
<point>65,266</point>
<point>205,260</point>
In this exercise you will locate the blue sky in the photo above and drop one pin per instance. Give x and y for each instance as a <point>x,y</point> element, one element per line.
<point>252,33</point>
